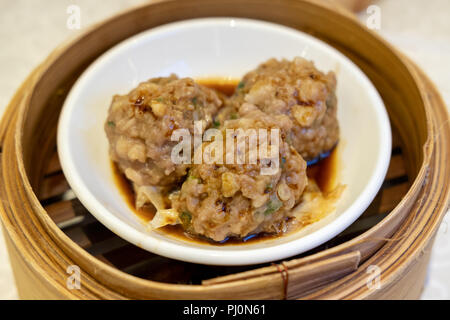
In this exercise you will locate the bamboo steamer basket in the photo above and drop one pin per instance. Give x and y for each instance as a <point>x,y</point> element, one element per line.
<point>47,229</point>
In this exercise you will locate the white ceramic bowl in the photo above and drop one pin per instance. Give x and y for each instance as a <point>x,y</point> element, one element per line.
<point>224,47</point>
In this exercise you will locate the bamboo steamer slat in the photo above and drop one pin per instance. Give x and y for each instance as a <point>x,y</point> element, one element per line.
<point>410,212</point>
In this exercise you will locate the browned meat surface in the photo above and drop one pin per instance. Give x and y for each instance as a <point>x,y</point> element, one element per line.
<point>301,92</point>
<point>222,200</point>
<point>140,124</point>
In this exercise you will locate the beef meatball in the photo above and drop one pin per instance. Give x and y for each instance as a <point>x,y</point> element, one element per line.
<point>300,91</point>
<point>220,200</point>
<point>140,124</point>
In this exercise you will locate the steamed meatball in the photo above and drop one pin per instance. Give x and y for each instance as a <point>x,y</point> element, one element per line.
<point>301,92</point>
<point>140,124</point>
<point>221,200</point>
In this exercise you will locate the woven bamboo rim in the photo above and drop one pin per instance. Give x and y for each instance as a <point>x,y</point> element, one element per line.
<point>399,245</point>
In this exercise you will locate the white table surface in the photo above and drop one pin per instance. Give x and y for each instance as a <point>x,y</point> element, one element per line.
<point>30,29</point>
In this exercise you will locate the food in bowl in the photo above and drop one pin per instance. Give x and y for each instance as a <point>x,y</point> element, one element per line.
<point>291,101</point>
<point>359,162</point>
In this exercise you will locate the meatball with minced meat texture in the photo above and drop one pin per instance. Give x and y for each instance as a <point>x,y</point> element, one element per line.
<point>221,200</point>
<point>300,91</point>
<point>140,124</point>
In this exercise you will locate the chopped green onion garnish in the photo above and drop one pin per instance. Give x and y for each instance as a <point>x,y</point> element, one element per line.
<point>273,205</point>
<point>191,177</point>
<point>283,161</point>
<point>185,218</point>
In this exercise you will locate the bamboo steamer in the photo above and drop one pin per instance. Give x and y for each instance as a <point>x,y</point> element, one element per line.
<point>47,229</point>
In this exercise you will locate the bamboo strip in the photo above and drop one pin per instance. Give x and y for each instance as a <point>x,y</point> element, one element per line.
<point>41,251</point>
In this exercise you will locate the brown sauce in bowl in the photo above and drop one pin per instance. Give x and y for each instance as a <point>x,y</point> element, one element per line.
<point>324,173</point>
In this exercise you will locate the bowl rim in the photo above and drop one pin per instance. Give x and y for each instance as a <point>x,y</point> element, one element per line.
<point>217,256</point>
